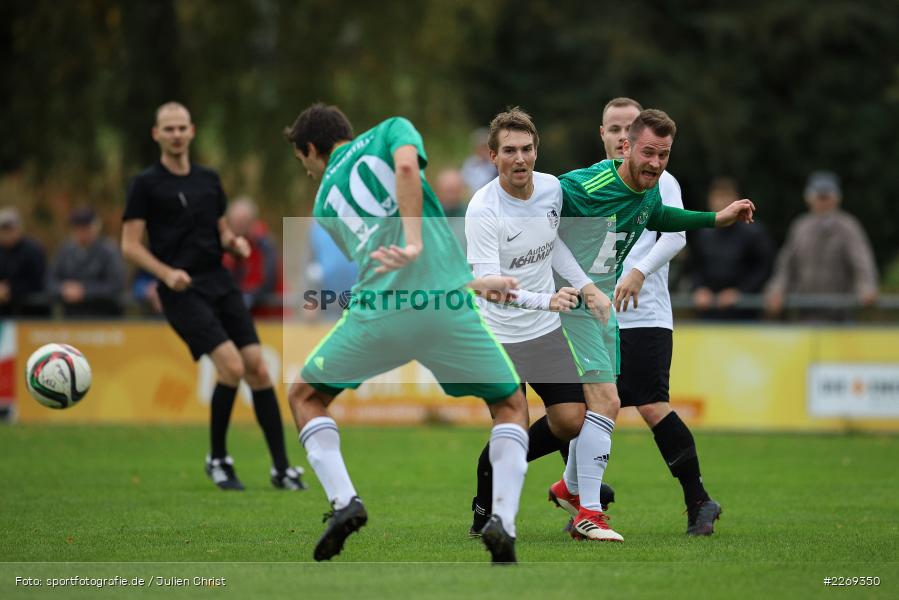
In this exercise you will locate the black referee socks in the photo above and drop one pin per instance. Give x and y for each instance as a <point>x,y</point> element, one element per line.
<point>265,405</point>
<point>220,415</point>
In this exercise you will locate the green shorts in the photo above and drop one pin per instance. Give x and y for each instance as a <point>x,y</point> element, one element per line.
<point>595,347</point>
<point>454,344</point>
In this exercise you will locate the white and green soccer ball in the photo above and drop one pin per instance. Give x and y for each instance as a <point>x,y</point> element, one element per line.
<point>57,375</point>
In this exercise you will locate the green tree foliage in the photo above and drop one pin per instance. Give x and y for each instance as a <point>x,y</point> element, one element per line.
<point>763,91</point>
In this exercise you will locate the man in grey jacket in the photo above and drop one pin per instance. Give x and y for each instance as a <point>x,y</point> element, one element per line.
<point>88,274</point>
<point>826,252</point>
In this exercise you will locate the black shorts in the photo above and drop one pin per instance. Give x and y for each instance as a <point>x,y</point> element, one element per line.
<point>645,365</point>
<point>547,365</point>
<point>205,319</point>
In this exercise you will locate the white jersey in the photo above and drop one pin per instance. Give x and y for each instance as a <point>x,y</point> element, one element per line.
<point>517,237</point>
<point>654,308</point>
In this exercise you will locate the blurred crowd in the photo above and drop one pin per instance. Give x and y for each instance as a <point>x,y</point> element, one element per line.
<point>728,274</point>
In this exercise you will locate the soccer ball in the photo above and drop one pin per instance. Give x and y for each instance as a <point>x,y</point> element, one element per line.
<point>57,375</point>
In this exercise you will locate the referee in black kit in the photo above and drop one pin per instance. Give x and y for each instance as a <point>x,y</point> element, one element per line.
<point>181,206</point>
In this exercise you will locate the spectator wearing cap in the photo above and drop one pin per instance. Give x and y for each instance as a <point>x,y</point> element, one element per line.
<point>88,275</point>
<point>826,252</point>
<point>23,267</point>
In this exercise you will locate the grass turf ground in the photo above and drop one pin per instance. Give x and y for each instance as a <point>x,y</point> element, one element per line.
<point>133,501</point>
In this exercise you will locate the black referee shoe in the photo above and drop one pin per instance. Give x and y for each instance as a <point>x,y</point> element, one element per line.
<point>221,472</point>
<point>500,544</point>
<point>341,523</point>
<point>289,479</point>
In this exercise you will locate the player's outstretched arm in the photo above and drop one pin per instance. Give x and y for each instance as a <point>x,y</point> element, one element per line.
<point>409,202</point>
<point>670,218</point>
<point>134,250</point>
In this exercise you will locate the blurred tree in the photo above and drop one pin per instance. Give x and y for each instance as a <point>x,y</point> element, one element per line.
<point>764,91</point>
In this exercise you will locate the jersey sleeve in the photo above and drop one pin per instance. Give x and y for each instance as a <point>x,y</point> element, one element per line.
<point>401,132</point>
<point>482,235</point>
<point>136,200</point>
<point>669,218</point>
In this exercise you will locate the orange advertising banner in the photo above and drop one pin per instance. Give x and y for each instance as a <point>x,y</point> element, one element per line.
<point>723,377</point>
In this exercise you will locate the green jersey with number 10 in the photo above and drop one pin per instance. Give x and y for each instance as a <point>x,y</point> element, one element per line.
<point>357,205</point>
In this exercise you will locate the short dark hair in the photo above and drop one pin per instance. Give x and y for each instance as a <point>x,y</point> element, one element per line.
<point>656,120</point>
<point>513,119</point>
<point>322,126</point>
<point>724,185</point>
<point>619,102</point>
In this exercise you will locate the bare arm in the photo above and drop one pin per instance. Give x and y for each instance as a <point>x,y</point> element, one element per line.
<point>409,200</point>
<point>134,250</point>
<point>409,193</point>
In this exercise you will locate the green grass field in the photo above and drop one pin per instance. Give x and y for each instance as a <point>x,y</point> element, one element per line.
<point>133,501</point>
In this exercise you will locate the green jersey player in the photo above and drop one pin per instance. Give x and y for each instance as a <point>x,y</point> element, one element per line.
<point>605,209</point>
<point>410,302</point>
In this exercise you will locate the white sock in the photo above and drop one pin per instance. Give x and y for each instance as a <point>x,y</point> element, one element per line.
<point>509,457</point>
<point>593,448</point>
<point>322,443</point>
<point>570,475</point>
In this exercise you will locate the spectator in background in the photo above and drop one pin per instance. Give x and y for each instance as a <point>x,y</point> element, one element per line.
<point>478,170</point>
<point>453,195</point>
<point>23,267</point>
<point>329,273</point>
<point>259,275</point>
<point>727,263</point>
<point>88,274</point>
<point>826,252</point>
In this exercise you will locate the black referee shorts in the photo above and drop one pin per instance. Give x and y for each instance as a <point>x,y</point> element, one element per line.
<point>645,365</point>
<point>205,320</point>
<point>547,365</point>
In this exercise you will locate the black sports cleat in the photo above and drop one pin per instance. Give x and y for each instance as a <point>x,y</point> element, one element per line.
<point>221,472</point>
<point>289,479</point>
<point>500,544</point>
<point>479,519</point>
<point>341,523</point>
<point>701,517</point>
<point>606,496</point>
